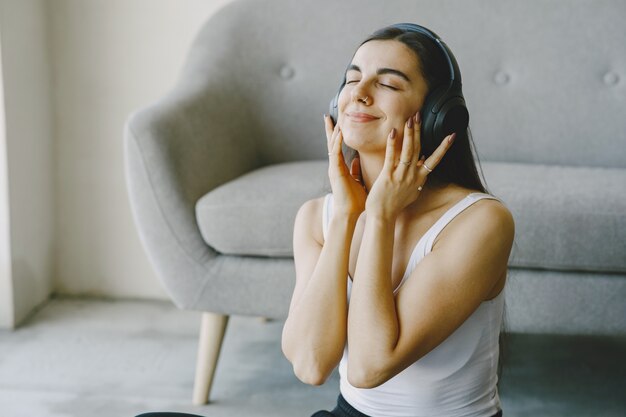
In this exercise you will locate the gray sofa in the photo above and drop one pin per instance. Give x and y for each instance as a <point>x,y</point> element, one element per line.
<point>217,168</point>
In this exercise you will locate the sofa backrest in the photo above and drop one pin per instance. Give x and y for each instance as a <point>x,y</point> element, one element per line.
<point>544,81</point>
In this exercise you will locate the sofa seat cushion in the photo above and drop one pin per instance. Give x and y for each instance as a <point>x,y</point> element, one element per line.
<point>566,217</point>
<point>255,213</point>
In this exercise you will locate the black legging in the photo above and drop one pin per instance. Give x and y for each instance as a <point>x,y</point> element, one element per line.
<point>167,414</point>
<point>344,409</point>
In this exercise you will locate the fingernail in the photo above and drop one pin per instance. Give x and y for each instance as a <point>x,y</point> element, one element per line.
<point>324,116</point>
<point>451,138</point>
<point>393,133</point>
<point>409,123</point>
<point>418,118</point>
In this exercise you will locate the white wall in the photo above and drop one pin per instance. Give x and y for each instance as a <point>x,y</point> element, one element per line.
<point>6,277</point>
<point>73,70</point>
<point>28,263</point>
<point>110,57</point>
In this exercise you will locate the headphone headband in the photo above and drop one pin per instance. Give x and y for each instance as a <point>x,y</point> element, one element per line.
<point>455,73</point>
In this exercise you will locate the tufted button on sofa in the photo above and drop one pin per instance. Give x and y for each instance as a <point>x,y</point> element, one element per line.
<point>217,168</point>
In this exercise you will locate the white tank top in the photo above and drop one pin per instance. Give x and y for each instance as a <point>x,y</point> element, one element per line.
<point>457,378</point>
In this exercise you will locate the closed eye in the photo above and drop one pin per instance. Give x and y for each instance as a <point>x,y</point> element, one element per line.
<point>384,85</point>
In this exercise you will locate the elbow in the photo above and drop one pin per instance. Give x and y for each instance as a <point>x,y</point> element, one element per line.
<point>308,370</point>
<point>365,377</point>
<point>310,374</point>
<point>312,366</point>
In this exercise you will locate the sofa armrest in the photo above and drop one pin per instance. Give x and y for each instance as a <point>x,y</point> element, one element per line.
<point>175,151</point>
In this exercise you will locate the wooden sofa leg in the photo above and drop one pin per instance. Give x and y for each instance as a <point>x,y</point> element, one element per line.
<point>212,332</point>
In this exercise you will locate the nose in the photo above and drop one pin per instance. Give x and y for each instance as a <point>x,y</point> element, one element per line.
<point>360,93</point>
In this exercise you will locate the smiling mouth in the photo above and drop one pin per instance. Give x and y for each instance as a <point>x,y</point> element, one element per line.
<point>362,118</point>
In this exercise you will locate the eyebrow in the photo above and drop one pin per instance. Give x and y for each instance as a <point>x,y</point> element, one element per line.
<point>382,71</point>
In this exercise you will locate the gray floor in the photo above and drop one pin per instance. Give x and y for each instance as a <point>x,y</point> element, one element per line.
<point>97,358</point>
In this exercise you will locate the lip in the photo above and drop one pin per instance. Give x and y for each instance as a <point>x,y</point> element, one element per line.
<point>362,117</point>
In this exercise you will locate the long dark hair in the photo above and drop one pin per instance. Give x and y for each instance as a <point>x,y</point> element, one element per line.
<point>458,165</point>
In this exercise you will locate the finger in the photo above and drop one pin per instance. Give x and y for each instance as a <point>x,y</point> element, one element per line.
<point>328,125</point>
<point>355,169</point>
<point>390,152</point>
<point>331,131</point>
<point>421,162</point>
<point>337,143</point>
<point>406,154</point>
<point>337,140</point>
<point>333,138</point>
<point>329,128</point>
<point>418,134</point>
<point>434,159</point>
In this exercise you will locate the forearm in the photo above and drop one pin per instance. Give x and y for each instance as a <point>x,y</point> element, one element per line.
<point>314,334</point>
<point>372,319</point>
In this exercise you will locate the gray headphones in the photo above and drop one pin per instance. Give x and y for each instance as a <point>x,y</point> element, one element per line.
<point>443,111</point>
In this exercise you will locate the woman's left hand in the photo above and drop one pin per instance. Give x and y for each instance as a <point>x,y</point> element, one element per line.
<point>399,184</point>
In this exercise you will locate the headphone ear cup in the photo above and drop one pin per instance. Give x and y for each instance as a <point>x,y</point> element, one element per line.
<point>452,117</point>
<point>428,116</point>
<point>443,112</point>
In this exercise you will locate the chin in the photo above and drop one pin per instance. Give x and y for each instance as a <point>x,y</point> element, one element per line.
<point>364,145</point>
<point>358,136</point>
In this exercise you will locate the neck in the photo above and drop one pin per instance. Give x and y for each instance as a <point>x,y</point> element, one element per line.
<point>429,198</point>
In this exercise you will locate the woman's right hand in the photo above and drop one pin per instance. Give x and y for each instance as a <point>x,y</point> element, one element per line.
<point>348,193</point>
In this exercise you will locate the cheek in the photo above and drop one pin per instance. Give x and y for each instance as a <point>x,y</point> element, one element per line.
<point>401,112</point>
<point>342,104</point>
<point>343,100</point>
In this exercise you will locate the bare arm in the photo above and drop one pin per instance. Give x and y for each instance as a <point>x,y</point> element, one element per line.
<point>314,333</point>
<point>387,333</point>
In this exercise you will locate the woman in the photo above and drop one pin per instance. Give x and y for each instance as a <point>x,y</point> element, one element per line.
<point>414,246</point>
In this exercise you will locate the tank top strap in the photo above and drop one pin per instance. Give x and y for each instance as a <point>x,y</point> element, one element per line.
<point>443,221</point>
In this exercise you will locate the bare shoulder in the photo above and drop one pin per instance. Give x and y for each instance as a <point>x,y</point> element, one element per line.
<point>495,213</point>
<point>489,214</point>
<point>311,213</point>
<point>485,215</point>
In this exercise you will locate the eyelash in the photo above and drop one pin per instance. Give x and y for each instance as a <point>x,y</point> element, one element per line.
<point>384,85</point>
